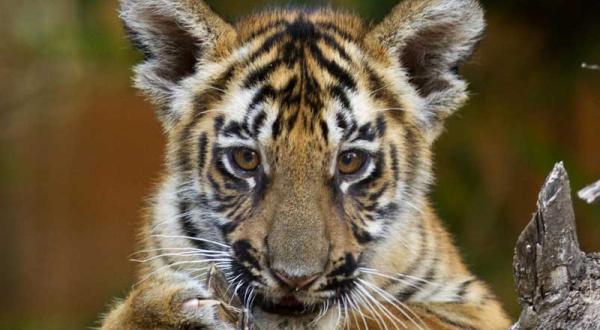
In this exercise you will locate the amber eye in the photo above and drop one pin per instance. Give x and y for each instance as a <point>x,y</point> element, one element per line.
<point>246,159</point>
<point>350,162</point>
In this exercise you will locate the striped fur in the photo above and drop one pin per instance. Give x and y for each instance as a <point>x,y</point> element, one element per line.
<point>300,87</point>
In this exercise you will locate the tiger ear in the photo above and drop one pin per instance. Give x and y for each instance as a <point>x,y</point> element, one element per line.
<point>175,36</point>
<point>428,40</point>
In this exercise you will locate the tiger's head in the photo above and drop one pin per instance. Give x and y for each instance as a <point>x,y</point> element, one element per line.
<point>299,141</point>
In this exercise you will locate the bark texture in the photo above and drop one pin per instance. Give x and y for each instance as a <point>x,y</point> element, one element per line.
<point>557,283</point>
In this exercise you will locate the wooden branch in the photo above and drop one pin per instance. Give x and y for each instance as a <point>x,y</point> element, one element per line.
<point>558,284</point>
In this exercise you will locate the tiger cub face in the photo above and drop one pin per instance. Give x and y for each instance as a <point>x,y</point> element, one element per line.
<point>300,140</point>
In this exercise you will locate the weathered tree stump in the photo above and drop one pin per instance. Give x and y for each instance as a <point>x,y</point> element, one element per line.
<point>557,283</point>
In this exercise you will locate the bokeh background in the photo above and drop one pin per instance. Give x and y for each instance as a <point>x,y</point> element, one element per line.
<point>80,149</point>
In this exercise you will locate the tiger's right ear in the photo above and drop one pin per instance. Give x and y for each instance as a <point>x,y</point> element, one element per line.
<point>175,36</point>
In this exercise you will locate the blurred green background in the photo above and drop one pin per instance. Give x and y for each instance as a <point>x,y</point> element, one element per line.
<point>80,149</point>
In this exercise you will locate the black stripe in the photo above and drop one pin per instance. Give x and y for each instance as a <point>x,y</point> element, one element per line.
<point>335,45</point>
<point>365,133</point>
<point>381,126</point>
<point>412,156</point>
<point>446,320</point>
<point>395,163</point>
<point>347,268</point>
<point>289,97</point>
<point>337,92</point>
<point>340,121</point>
<point>228,228</point>
<point>464,286</point>
<point>187,224</point>
<point>325,131</point>
<point>243,251</point>
<point>414,288</point>
<point>264,93</point>
<point>234,129</point>
<point>258,123</point>
<point>276,128</point>
<point>362,236</point>
<point>267,46</point>
<point>218,123</point>
<point>216,187</point>
<point>333,68</point>
<point>376,195</point>
<point>202,150</point>
<point>291,122</point>
<point>266,29</point>
<point>260,75</point>
<point>388,212</point>
<point>336,29</point>
<point>201,104</point>
<point>376,84</point>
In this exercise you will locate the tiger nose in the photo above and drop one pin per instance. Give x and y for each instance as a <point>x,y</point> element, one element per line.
<point>296,283</point>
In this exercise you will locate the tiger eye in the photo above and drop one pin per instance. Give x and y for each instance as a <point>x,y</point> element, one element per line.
<point>350,162</point>
<point>246,159</point>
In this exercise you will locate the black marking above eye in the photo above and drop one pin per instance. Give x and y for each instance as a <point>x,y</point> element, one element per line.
<point>264,93</point>
<point>366,133</point>
<point>337,92</point>
<point>234,129</point>
<point>258,123</point>
<point>340,121</point>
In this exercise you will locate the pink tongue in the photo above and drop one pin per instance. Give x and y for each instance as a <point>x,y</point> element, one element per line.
<point>290,301</point>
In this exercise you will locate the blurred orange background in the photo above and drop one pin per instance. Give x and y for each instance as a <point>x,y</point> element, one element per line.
<point>80,150</point>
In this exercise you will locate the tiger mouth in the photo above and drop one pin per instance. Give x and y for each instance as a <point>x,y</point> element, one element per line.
<point>288,306</point>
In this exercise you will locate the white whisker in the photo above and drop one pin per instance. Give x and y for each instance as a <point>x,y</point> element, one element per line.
<point>160,269</point>
<point>390,316</point>
<point>173,249</point>
<point>193,239</point>
<point>394,302</point>
<point>374,313</point>
<point>185,254</point>
<point>357,309</point>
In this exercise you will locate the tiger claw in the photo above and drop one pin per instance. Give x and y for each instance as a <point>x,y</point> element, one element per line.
<point>193,305</point>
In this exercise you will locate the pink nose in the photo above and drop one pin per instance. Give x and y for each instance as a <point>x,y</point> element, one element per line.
<point>296,283</point>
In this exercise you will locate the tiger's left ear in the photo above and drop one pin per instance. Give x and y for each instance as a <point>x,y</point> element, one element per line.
<point>176,37</point>
<point>428,40</point>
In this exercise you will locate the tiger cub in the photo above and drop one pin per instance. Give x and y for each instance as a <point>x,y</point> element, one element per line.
<point>299,164</point>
